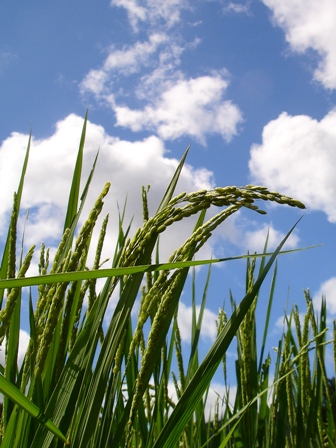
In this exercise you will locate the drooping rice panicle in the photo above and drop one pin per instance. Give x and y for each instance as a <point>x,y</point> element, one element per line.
<point>47,323</point>
<point>148,302</point>
<point>46,292</point>
<point>120,353</point>
<point>89,285</point>
<point>145,214</point>
<point>319,336</point>
<point>304,366</point>
<point>297,323</point>
<point>246,341</point>
<point>220,324</point>
<point>6,312</point>
<point>12,241</point>
<point>96,263</point>
<point>60,253</point>
<point>67,333</point>
<point>161,385</point>
<point>73,336</point>
<point>176,386</point>
<point>152,341</point>
<point>291,411</point>
<point>42,269</point>
<point>72,265</point>
<point>48,300</point>
<point>216,416</point>
<point>179,358</point>
<point>231,197</point>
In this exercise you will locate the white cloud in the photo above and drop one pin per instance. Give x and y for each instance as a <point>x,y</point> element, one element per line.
<point>327,289</point>
<point>297,157</point>
<point>174,106</point>
<point>152,12</point>
<point>150,67</point>
<point>160,98</point>
<point>217,391</point>
<point>193,107</point>
<point>134,10</point>
<point>127,61</point>
<point>7,58</point>
<point>131,58</point>
<point>255,239</point>
<point>310,24</point>
<point>208,330</point>
<point>128,165</point>
<point>23,345</point>
<point>250,235</point>
<point>238,8</point>
<point>281,326</point>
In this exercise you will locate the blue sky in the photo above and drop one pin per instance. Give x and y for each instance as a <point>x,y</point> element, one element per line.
<point>250,85</point>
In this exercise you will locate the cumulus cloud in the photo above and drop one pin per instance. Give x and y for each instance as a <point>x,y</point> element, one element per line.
<point>250,235</point>
<point>161,99</point>
<point>208,330</point>
<point>173,105</point>
<point>7,58</point>
<point>221,394</point>
<point>128,60</point>
<point>149,66</point>
<point>281,324</point>
<point>152,12</point>
<point>23,345</point>
<point>310,25</point>
<point>255,239</point>
<point>218,392</point>
<point>297,157</point>
<point>328,290</point>
<point>194,107</point>
<point>238,8</point>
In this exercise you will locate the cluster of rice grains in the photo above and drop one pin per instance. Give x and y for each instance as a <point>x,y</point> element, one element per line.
<point>303,366</point>
<point>57,298</point>
<point>160,297</point>
<point>231,197</point>
<point>13,293</point>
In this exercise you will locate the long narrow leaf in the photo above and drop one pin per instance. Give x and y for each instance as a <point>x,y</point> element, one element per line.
<point>172,185</point>
<point>4,261</point>
<point>75,185</point>
<point>15,395</point>
<point>121,271</point>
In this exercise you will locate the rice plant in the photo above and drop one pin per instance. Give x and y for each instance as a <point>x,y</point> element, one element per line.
<point>291,405</point>
<point>82,384</point>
